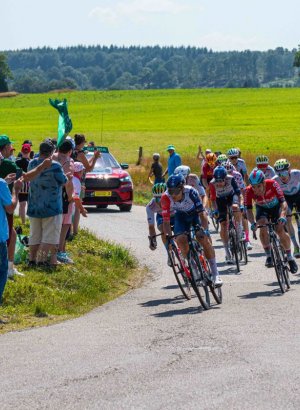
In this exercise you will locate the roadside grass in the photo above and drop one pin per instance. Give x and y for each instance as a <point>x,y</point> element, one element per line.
<point>266,120</point>
<point>102,271</point>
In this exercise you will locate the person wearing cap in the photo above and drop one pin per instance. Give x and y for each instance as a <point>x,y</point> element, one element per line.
<point>22,163</point>
<point>156,169</point>
<point>28,142</point>
<point>63,156</point>
<point>174,161</point>
<point>45,208</point>
<point>9,168</point>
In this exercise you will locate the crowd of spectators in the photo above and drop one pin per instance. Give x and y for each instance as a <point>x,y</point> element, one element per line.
<point>49,184</point>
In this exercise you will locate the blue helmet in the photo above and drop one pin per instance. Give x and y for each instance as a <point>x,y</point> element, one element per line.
<point>175,181</point>
<point>256,177</point>
<point>220,173</point>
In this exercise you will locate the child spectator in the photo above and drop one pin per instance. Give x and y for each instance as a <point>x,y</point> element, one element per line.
<point>22,162</point>
<point>156,170</point>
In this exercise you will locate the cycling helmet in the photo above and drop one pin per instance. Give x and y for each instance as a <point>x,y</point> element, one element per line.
<point>211,159</point>
<point>262,160</point>
<point>256,177</point>
<point>182,169</point>
<point>282,165</point>
<point>221,159</point>
<point>228,166</point>
<point>175,181</point>
<point>156,155</point>
<point>159,189</point>
<point>233,152</point>
<point>220,173</point>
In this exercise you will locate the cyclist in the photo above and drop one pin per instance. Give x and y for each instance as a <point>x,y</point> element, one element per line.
<point>240,165</point>
<point>289,182</point>
<point>221,159</point>
<point>208,169</point>
<point>225,193</point>
<point>192,180</point>
<point>189,210</point>
<point>152,208</point>
<point>262,162</point>
<point>270,204</point>
<point>241,184</point>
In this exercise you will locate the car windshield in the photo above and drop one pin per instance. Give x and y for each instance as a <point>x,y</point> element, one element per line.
<point>105,161</point>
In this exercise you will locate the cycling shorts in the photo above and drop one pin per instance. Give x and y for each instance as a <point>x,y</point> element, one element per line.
<point>183,222</point>
<point>159,220</point>
<point>293,201</point>
<point>223,204</point>
<point>271,214</point>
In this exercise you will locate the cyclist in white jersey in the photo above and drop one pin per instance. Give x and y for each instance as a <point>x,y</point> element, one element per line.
<point>238,163</point>
<point>262,162</point>
<point>289,182</point>
<point>192,180</point>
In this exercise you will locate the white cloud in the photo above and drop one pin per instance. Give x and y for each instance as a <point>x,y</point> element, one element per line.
<point>140,10</point>
<point>219,41</point>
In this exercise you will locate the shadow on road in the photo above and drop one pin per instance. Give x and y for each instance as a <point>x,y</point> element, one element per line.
<point>95,210</point>
<point>256,255</point>
<point>186,311</point>
<point>169,301</point>
<point>265,294</point>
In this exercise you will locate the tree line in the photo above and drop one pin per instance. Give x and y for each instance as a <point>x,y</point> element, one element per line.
<point>131,68</point>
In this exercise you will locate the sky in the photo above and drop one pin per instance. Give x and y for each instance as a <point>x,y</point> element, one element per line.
<point>219,25</point>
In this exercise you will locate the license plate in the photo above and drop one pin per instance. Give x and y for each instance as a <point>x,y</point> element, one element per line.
<point>102,193</point>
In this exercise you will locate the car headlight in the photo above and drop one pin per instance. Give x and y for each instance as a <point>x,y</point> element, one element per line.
<point>126,179</point>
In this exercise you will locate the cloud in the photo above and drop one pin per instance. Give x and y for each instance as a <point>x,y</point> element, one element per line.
<point>140,10</point>
<point>219,41</point>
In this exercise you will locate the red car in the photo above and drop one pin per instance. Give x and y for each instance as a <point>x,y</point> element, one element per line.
<point>108,183</point>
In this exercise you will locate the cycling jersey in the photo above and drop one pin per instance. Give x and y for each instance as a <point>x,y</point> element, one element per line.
<point>152,208</point>
<point>207,172</point>
<point>291,187</point>
<point>194,181</point>
<point>229,189</point>
<point>238,179</point>
<point>190,203</point>
<point>241,167</point>
<point>269,172</point>
<point>272,197</point>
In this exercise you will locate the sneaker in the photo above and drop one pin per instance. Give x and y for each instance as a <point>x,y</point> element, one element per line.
<point>64,258</point>
<point>249,246</point>
<point>293,266</point>
<point>218,281</point>
<point>296,252</point>
<point>229,260</point>
<point>14,272</point>
<point>269,262</point>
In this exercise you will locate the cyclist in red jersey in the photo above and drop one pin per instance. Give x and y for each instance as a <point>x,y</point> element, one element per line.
<point>270,205</point>
<point>208,169</point>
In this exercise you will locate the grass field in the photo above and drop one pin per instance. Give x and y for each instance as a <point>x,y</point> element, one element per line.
<point>256,120</point>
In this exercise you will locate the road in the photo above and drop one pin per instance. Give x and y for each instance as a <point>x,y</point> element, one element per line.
<point>151,349</point>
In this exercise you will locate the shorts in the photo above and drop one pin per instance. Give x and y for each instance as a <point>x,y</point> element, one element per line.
<point>45,230</point>
<point>223,204</point>
<point>23,197</point>
<point>10,221</point>
<point>183,222</point>
<point>271,214</point>
<point>159,220</point>
<point>67,218</point>
<point>293,201</point>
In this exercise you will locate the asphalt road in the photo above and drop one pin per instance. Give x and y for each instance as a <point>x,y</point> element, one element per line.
<point>151,349</point>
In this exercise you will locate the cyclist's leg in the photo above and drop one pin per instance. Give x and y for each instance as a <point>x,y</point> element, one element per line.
<point>181,224</point>
<point>222,209</point>
<point>291,230</point>
<point>237,217</point>
<point>262,216</point>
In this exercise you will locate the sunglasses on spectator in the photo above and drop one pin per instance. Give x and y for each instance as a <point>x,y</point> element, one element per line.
<point>174,191</point>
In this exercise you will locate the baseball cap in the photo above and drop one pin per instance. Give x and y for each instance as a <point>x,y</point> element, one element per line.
<point>207,151</point>
<point>4,140</point>
<point>78,166</point>
<point>27,142</point>
<point>46,147</point>
<point>26,148</point>
<point>169,147</point>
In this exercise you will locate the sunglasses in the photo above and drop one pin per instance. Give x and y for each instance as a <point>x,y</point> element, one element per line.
<point>233,157</point>
<point>174,191</point>
<point>283,173</point>
<point>220,180</point>
<point>262,166</point>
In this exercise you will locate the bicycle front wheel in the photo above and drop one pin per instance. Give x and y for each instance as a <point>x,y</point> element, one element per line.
<point>198,282</point>
<point>179,272</point>
<point>234,247</point>
<point>215,291</point>
<point>279,268</point>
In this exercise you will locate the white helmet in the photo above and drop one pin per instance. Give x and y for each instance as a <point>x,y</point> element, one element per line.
<point>183,170</point>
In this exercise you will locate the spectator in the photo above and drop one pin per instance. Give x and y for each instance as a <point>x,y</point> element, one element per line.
<point>173,162</point>
<point>63,156</point>
<point>78,175</point>
<point>31,152</point>
<point>22,162</point>
<point>91,144</point>
<point>45,209</point>
<point>156,169</point>
<point>8,168</point>
<point>8,204</point>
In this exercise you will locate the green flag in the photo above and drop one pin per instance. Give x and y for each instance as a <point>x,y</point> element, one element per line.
<point>64,121</point>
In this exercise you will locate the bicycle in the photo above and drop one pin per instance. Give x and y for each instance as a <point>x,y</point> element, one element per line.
<point>180,270</point>
<point>214,221</point>
<point>278,257</point>
<point>234,242</point>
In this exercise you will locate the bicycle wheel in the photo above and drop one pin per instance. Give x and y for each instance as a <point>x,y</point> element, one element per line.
<point>243,254</point>
<point>215,291</point>
<point>180,276</point>
<point>198,282</point>
<point>278,265</point>
<point>215,223</point>
<point>286,274</point>
<point>234,247</point>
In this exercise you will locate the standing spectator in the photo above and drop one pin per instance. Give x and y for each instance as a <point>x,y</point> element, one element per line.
<point>156,169</point>
<point>45,208</point>
<point>173,162</point>
<point>77,177</point>
<point>8,204</point>
<point>22,162</point>
<point>31,152</point>
<point>63,156</point>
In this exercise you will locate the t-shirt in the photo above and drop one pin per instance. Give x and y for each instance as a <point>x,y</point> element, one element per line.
<point>5,199</point>
<point>8,167</point>
<point>76,186</point>
<point>23,163</point>
<point>173,162</point>
<point>157,169</point>
<point>45,192</point>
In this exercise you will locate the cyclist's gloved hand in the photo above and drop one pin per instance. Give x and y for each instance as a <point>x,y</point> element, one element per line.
<point>152,243</point>
<point>282,220</point>
<point>206,232</point>
<point>253,227</point>
<point>216,214</point>
<point>242,208</point>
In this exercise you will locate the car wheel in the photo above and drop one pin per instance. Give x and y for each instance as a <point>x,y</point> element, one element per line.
<point>125,208</point>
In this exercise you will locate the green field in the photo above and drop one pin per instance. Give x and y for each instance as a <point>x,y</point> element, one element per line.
<point>256,120</point>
